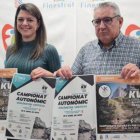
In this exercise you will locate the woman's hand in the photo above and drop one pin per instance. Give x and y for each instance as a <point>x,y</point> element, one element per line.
<point>40,72</point>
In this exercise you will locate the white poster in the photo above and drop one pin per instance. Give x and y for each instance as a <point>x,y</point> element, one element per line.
<point>30,108</point>
<point>74,109</point>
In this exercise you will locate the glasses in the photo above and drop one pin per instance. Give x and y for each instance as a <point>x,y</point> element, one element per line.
<point>105,20</point>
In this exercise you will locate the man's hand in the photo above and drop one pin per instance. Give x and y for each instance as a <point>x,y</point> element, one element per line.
<point>130,71</point>
<point>65,72</point>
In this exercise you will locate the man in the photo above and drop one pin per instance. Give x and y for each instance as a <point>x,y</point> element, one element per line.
<point>111,53</point>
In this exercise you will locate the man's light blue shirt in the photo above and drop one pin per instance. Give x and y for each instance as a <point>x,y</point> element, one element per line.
<point>95,59</point>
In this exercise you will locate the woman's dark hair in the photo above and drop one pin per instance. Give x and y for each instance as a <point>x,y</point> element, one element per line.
<point>41,36</point>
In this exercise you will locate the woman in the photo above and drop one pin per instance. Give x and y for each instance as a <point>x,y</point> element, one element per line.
<point>30,53</point>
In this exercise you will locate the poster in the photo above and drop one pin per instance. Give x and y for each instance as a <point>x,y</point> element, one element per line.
<point>118,108</point>
<point>118,137</point>
<point>74,109</point>
<point>5,86</point>
<point>30,108</point>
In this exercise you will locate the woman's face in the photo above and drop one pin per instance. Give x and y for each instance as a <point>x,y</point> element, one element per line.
<point>27,25</point>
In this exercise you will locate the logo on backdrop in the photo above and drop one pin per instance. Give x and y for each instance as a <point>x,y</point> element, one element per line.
<point>7,35</point>
<point>18,2</point>
<point>89,4</point>
<point>8,31</point>
<point>133,30</point>
<point>58,4</point>
<point>57,0</point>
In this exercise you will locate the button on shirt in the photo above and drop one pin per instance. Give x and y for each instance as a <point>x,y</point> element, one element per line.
<point>93,58</point>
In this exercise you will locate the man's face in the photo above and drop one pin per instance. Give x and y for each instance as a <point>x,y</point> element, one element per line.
<point>107,32</point>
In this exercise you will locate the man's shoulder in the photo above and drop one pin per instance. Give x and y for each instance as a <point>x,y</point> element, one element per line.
<point>90,44</point>
<point>89,47</point>
<point>131,39</point>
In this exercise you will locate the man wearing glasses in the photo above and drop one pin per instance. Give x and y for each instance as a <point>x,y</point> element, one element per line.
<point>111,53</point>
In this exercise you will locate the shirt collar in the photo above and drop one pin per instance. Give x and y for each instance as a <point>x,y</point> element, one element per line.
<point>115,42</point>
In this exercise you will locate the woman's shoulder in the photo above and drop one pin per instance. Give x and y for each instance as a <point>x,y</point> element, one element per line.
<point>50,46</point>
<point>9,49</point>
<point>50,51</point>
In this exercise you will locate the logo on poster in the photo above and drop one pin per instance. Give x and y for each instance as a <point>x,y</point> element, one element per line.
<point>83,87</point>
<point>104,91</point>
<point>44,89</point>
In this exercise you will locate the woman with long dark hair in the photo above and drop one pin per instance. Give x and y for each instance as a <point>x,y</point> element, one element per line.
<point>31,53</point>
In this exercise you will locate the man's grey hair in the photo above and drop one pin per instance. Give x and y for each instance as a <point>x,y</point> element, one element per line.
<point>109,4</point>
